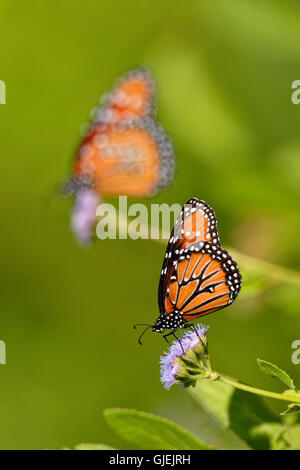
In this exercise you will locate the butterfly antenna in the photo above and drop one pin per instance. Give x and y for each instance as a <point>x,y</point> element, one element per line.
<point>143,332</point>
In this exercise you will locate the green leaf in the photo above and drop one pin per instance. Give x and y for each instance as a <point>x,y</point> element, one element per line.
<point>291,409</point>
<point>280,436</point>
<point>84,446</point>
<point>271,432</point>
<point>273,371</point>
<point>292,436</point>
<point>146,431</point>
<point>234,409</point>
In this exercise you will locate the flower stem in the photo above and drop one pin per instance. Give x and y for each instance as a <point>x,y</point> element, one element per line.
<point>293,398</point>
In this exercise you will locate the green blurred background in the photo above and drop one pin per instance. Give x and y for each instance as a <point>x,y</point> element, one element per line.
<point>224,70</point>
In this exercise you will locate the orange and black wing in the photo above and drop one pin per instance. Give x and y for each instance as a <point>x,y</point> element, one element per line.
<point>125,151</point>
<point>198,276</point>
<point>134,159</point>
<point>196,223</point>
<point>204,279</point>
<point>133,97</point>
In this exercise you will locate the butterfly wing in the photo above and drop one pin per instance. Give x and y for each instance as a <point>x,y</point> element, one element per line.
<point>198,276</point>
<point>196,223</point>
<point>134,159</point>
<point>205,279</point>
<point>125,151</point>
<point>131,98</point>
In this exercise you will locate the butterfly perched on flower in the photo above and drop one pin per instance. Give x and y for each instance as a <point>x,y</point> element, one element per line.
<point>198,276</point>
<point>125,152</point>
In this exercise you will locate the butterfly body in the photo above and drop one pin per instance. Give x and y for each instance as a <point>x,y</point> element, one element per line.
<point>125,152</point>
<point>198,276</point>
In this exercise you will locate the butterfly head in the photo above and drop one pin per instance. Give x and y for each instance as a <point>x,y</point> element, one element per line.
<point>172,322</point>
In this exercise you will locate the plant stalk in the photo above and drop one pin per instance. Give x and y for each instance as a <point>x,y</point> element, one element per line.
<point>293,398</point>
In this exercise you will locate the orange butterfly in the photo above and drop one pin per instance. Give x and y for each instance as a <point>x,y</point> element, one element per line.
<point>126,152</point>
<point>198,276</point>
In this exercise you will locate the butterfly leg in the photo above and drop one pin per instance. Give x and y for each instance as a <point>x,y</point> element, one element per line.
<point>173,333</point>
<point>165,337</point>
<point>192,326</point>
<point>195,330</point>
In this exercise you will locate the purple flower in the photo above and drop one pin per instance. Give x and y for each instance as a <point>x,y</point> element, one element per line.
<point>193,343</point>
<point>84,213</point>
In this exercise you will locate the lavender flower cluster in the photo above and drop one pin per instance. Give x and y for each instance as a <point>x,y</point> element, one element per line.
<point>170,366</point>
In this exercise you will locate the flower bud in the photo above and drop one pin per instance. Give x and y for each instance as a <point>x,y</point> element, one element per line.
<point>187,359</point>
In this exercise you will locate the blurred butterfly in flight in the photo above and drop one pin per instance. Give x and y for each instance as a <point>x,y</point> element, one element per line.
<point>125,152</point>
<point>198,276</point>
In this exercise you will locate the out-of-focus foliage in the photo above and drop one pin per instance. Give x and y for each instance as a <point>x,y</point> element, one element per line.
<point>146,431</point>
<point>246,413</point>
<point>88,446</point>
<point>224,71</point>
